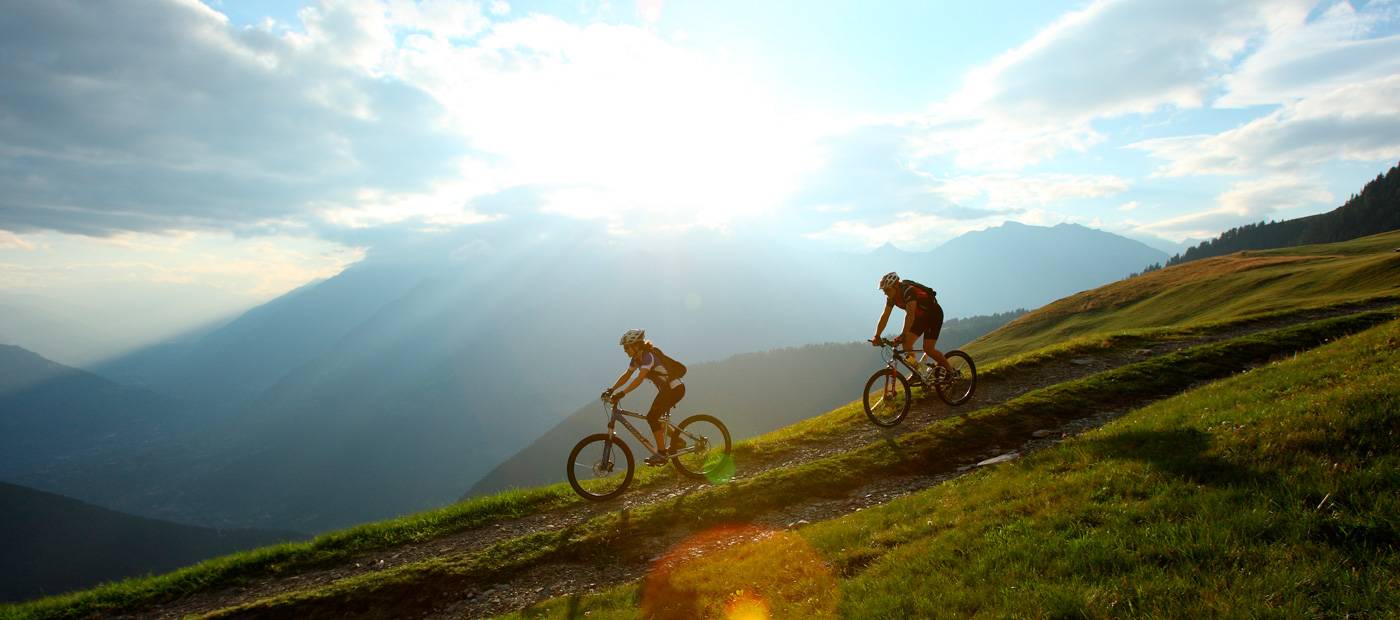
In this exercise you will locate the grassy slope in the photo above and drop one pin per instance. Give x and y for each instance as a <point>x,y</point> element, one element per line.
<point>1356,270</point>
<point>1210,290</point>
<point>1275,493</point>
<point>939,445</point>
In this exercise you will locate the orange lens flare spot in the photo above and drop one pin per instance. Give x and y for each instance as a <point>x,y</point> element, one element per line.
<point>745,605</point>
<point>740,572</point>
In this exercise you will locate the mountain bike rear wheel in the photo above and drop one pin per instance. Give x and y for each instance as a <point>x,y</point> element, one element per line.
<point>958,388</point>
<point>886,398</point>
<point>595,478</point>
<point>708,441</point>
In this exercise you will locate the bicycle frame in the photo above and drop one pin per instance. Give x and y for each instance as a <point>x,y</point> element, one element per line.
<point>619,414</point>
<point>891,352</point>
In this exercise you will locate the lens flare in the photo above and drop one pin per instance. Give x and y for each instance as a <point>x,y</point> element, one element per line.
<point>740,572</point>
<point>745,605</point>
<point>719,468</point>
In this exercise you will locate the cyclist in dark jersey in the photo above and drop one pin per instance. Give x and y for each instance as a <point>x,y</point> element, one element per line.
<point>669,390</point>
<point>922,316</point>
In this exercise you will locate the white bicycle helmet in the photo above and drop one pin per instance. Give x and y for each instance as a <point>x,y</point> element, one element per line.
<point>632,336</point>
<point>889,280</point>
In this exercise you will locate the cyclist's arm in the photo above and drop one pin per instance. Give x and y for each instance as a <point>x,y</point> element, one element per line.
<point>910,310</point>
<point>884,318</point>
<point>635,382</point>
<point>622,379</point>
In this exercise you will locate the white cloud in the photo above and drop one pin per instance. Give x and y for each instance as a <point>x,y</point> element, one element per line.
<point>1244,203</point>
<point>249,269</point>
<point>1110,59</point>
<point>649,10</point>
<point>1131,205</point>
<point>1012,191</point>
<point>1300,59</point>
<point>911,230</point>
<point>9,240</point>
<point>370,112</point>
<point>649,128</point>
<point>1356,122</point>
<point>987,140</point>
<point>1336,89</point>
<point>446,203</point>
<point>163,116</point>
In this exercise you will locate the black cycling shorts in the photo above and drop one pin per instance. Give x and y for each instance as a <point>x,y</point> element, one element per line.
<point>665,401</point>
<point>929,322</point>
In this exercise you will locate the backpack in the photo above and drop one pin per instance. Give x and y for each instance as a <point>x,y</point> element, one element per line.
<point>932,295</point>
<point>677,369</point>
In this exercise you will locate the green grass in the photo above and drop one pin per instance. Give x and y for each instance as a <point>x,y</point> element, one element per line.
<point>841,420</point>
<point>291,557</point>
<point>1210,290</point>
<point>337,546</point>
<point>936,446</point>
<point>1224,293</point>
<point>1275,493</point>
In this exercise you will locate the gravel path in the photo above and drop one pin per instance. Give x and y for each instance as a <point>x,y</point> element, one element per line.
<point>563,578</point>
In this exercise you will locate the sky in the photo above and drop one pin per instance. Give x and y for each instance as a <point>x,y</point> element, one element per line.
<point>181,160</point>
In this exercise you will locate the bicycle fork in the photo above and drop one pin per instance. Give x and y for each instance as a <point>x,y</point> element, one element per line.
<point>607,465</point>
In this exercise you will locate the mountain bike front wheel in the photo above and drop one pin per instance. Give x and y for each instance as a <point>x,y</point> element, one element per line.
<point>957,388</point>
<point>706,453</point>
<point>594,477</point>
<point>886,397</point>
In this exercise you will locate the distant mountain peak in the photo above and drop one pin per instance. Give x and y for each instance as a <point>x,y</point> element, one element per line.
<point>20,367</point>
<point>886,249</point>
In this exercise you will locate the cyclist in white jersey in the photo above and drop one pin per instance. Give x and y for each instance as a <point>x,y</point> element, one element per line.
<point>648,361</point>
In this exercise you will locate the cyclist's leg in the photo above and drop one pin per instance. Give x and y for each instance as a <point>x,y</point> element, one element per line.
<point>932,327</point>
<point>665,401</point>
<point>654,420</point>
<point>913,336</point>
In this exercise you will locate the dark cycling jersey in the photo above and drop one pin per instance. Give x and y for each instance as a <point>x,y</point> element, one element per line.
<point>659,375</point>
<point>909,290</point>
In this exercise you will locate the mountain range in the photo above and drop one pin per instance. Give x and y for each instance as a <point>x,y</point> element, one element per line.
<point>55,544</point>
<point>410,376</point>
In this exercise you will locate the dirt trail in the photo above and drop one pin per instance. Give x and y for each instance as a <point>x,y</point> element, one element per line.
<point>562,578</point>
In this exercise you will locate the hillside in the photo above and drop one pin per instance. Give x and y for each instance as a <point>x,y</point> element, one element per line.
<point>499,553</point>
<point>1210,290</point>
<point>1218,502</point>
<point>36,325</point>
<point>742,388</point>
<point>54,544</point>
<point>445,360</point>
<point>1375,210</point>
<point>69,431</point>
<point>1020,266</point>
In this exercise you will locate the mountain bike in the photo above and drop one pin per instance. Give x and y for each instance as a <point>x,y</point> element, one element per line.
<point>886,397</point>
<point>601,465</point>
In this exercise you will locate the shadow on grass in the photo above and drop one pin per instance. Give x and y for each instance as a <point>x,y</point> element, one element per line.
<point>574,607</point>
<point>1183,453</point>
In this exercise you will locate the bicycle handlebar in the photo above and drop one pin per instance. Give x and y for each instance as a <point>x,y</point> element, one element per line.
<point>608,402</point>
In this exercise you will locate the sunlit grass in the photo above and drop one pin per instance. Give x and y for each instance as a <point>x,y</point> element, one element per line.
<point>1188,302</point>
<point>1210,290</point>
<point>1275,493</point>
<point>715,504</point>
<point>609,535</point>
<point>292,557</point>
<point>842,419</point>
